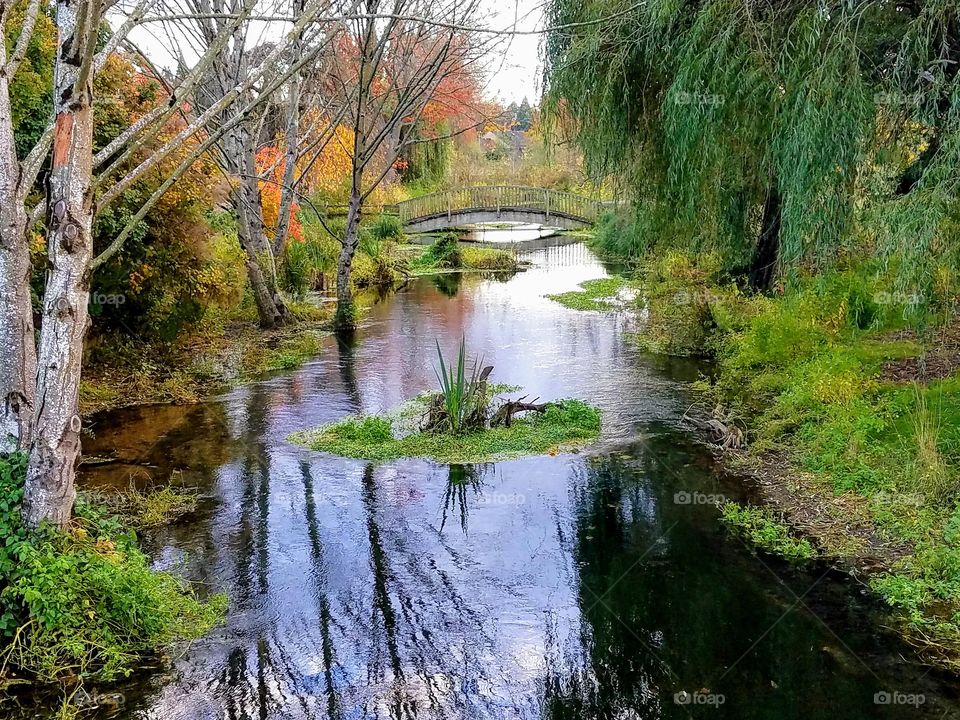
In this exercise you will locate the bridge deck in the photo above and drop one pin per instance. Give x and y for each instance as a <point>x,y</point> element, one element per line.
<point>505,203</point>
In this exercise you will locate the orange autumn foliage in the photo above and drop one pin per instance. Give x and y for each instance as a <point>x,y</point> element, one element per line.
<point>327,172</point>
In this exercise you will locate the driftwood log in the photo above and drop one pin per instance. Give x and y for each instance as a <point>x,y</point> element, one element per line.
<point>504,414</point>
<point>720,429</point>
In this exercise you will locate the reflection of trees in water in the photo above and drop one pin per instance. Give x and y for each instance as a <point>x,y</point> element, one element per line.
<point>420,621</point>
<point>447,283</point>
<point>382,604</point>
<point>318,575</point>
<point>255,496</point>
<point>611,670</point>
<point>346,348</point>
<point>660,617</point>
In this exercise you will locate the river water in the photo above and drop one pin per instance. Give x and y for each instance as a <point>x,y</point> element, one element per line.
<point>578,586</point>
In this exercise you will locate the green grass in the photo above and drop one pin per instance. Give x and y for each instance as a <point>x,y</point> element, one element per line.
<point>595,295</point>
<point>805,372</point>
<point>760,528</point>
<point>565,425</point>
<point>85,601</point>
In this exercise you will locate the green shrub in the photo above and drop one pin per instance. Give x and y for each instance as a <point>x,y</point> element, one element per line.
<point>387,228</point>
<point>85,601</point>
<point>444,252</point>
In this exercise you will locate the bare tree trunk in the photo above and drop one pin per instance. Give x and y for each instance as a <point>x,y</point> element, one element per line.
<point>764,265</point>
<point>49,493</point>
<point>271,309</point>
<point>19,367</point>
<point>261,267</point>
<point>346,318</point>
<point>288,191</point>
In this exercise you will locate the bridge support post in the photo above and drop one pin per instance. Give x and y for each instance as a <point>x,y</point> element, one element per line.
<point>547,202</point>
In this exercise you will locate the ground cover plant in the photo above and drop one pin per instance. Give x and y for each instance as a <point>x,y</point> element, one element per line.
<point>84,601</point>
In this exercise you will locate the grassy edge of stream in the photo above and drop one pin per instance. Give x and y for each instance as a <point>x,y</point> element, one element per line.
<point>846,399</point>
<point>230,349</point>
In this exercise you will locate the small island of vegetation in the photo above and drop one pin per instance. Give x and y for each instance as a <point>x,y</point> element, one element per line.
<point>469,420</point>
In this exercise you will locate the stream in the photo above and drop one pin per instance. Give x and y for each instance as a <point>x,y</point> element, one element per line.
<point>579,586</point>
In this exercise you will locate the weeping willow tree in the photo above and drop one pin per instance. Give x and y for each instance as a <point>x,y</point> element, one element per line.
<point>779,133</point>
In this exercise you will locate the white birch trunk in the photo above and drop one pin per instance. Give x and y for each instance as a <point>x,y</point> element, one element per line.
<point>19,366</point>
<point>49,493</point>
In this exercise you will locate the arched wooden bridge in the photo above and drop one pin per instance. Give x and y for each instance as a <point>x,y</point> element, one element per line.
<point>499,203</point>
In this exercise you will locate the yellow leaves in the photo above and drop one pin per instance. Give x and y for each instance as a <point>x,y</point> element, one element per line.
<point>325,172</point>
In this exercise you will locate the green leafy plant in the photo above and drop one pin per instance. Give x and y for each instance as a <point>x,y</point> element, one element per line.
<point>462,392</point>
<point>444,252</point>
<point>85,601</point>
<point>761,529</point>
<point>387,228</point>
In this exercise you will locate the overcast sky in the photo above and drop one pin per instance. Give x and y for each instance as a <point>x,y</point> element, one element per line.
<point>514,75</point>
<point>518,73</point>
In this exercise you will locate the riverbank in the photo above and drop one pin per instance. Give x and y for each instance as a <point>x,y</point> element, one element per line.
<point>230,348</point>
<point>848,397</point>
<point>222,353</point>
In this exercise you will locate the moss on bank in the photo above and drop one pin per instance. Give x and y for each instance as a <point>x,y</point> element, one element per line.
<point>85,601</point>
<point>565,425</point>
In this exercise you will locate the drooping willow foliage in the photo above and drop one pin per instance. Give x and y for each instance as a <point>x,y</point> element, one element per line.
<point>824,127</point>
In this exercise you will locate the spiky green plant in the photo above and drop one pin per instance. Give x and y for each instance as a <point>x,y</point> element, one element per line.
<point>463,392</point>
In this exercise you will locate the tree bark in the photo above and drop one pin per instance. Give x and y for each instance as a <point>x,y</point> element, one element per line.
<point>346,318</point>
<point>763,268</point>
<point>19,368</point>
<point>261,267</point>
<point>49,492</point>
<point>288,191</point>
<point>271,309</point>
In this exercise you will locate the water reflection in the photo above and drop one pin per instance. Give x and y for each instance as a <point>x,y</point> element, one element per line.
<point>509,233</point>
<point>463,482</point>
<point>447,283</point>
<point>571,586</point>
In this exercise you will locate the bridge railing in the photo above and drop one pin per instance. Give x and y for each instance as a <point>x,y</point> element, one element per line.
<point>498,198</point>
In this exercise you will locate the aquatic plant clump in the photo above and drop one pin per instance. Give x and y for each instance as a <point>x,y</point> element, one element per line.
<point>562,426</point>
<point>602,294</point>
